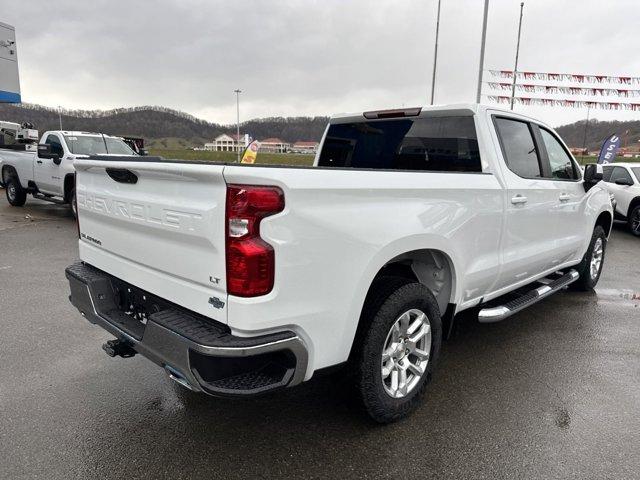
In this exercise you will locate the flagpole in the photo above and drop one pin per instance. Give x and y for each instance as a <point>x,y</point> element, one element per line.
<point>482,44</point>
<point>515,70</point>
<point>238,92</point>
<point>435,55</point>
<point>586,126</point>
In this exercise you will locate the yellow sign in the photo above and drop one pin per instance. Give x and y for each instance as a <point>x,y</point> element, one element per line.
<point>251,152</point>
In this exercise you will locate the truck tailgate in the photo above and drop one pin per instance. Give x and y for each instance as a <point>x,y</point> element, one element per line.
<point>162,229</point>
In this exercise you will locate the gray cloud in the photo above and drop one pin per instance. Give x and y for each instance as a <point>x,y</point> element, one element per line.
<point>305,57</point>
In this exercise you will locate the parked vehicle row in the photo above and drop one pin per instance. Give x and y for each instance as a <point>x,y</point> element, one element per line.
<point>248,278</point>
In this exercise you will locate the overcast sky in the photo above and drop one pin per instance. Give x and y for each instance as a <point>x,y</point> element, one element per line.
<point>307,57</point>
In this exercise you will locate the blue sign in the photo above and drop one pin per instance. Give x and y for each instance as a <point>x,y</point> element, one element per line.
<point>609,149</point>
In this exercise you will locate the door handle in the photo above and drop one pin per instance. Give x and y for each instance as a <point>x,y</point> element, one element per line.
<point>565,197</point>
<point>518,199</point>
<point>38,161</point>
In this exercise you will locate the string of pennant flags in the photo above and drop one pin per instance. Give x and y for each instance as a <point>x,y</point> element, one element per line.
<point>552,102</point>
<point>567,77</point>
<point>555,89</point>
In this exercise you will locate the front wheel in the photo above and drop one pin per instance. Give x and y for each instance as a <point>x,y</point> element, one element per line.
<point>16,195</point>
<point>634,221</point>
<point>398,351</point>
<point>591,266</point>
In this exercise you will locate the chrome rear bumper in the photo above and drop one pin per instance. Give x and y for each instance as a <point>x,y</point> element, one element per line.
<point>197,352</point>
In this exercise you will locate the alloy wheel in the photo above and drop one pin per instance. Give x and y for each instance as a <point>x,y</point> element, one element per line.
<point>405,354</point>
<point>596,258</point>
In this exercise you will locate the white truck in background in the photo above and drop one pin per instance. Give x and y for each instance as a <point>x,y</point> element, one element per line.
<point>45,170</point>
<point>249,278</point>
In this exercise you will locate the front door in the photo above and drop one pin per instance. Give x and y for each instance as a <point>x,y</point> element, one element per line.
<point>570,195</point>
<point>48,175</point>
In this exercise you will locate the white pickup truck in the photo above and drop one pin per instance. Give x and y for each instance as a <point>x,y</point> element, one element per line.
<point>241,279</point>
<point>47,171</point>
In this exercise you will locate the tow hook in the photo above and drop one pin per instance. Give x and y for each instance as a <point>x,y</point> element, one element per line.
<point>118,348</point>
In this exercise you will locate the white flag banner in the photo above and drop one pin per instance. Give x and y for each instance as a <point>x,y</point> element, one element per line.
<point>561,89</point>
<point>568,103</point>
<point>567,77</point>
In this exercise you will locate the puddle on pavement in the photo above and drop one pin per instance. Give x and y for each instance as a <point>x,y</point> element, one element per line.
<point>621,296</point>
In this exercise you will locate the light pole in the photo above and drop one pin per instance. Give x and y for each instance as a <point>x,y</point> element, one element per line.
<point>482,43</point>
<point>60,116</point>
<point>435,54</point>
<point>238,92</point>
<point>515,69</point>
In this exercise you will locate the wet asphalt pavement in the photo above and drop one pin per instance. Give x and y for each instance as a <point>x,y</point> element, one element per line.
<point>553,392</point>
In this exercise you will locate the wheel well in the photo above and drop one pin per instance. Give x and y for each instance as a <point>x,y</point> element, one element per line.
<point>8,170</point>
<point>605,221</point>
<point>634,203</point>
<point>69,183</point>
<point>432,268</point>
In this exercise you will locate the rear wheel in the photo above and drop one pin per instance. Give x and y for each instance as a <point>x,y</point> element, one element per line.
<point>398,351</point>
<point>16,195</point>
<point>591,266</point>
<point>634,221</point>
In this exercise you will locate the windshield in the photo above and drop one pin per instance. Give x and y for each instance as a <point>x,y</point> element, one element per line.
<point>636,172</point>
<point>97,145</point>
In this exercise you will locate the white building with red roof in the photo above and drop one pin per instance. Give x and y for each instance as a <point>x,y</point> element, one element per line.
<point>274,145</point>
<point>305,147</point>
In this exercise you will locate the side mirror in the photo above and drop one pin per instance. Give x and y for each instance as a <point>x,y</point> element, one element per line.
<point>624,182</point>
<point>592,173</point>
<point>44,151</point>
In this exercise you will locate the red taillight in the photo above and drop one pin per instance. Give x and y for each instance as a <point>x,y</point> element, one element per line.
<point>250,260</point>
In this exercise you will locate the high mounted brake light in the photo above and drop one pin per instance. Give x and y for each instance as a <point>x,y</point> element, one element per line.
<point>250,260</point>
<point>397,113</point>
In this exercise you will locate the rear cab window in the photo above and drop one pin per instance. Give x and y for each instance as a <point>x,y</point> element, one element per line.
<point>436,144</point>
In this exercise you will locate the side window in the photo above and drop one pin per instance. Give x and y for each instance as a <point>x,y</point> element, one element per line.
<point>606,173</point>
<point>561,165</point>
<point>620,173</point>
<point>56,146</point>
<point>518,147</point>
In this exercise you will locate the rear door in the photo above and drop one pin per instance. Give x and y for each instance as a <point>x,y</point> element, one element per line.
<point>157,225</point>
<point>530,243</point>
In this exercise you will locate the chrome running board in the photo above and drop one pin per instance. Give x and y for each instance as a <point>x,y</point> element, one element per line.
<point>496,314</point>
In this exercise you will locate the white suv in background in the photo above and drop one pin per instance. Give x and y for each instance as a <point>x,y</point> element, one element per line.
<point>623,181</point>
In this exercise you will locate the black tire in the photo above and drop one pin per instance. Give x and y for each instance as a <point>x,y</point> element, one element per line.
<point>16,195</point>
<point>587,281</point>
<point>634,221</point>
<point>387,301</point>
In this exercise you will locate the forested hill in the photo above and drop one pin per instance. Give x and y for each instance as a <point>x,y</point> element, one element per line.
<point>166,128</point>
<point>597,131</point>
<point>161,126</point>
